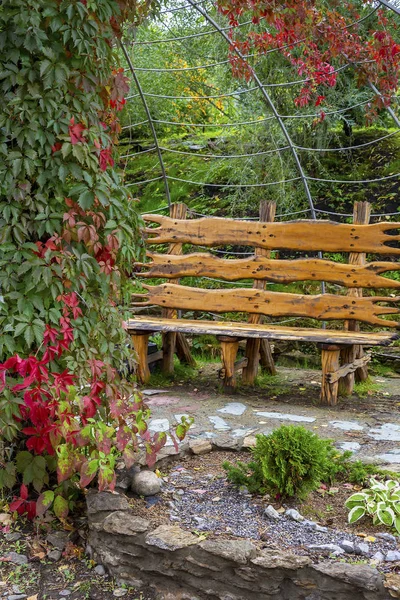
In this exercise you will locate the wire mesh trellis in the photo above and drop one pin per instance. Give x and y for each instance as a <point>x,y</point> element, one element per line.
<point>291,175</point>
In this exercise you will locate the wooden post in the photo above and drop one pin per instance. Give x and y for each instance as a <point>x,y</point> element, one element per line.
<point>330,358</point>
<point>140,343</point>
<point>361,216</point>
<point>229,348</point>
<point>175,341</point>
<point>256,346</point>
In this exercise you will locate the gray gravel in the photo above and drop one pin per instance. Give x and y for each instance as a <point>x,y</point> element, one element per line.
<point>214,505</point>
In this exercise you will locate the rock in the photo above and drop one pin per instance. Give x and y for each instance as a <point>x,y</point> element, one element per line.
<point>309,524</point>
<point>386,536</point>
<point>392,556</point>
<point>238,551</point>
<point>171,537</point>
<point>17,597</point>
<point>65,593</point>
<point>54,555</point>
<point>226,442</point>
<point>294,514</point>
<point>12,537</point>
<point>146,483</point>
<point>125,524</point>
<point>105,501</point>
<point>119,592</point>
<point>362,549</point>
<point>249,441</point>
<point>358,576</point>
<point>100,570</point>
<point>271,513</point>
<point>275,559</point>
<point>326,548</point>
<point>17,559</point>
<point>58,539</point>
<point>321,529</point>
<point>89,550</point>
<point>5,519</point>
<point>378,557</point>
<point>200,446</point>
<point>347,546</point>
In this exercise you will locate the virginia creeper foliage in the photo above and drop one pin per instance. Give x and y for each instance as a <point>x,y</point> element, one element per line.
<point>318,38</point>
<point>68,239</point>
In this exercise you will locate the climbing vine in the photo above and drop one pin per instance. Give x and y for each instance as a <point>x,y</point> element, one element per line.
<point>318,39</point>
<point>68,239</point>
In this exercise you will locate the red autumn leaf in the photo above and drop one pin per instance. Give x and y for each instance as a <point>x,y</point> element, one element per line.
<point>76,131</point>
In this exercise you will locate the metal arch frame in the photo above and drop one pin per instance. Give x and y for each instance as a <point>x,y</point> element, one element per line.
<point>390,6</point>
<point>151,123</point>
<point>268,101</point>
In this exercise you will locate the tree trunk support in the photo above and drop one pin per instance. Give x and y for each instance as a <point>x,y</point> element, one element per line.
<point>172,341</point>
<point>330,359</point>
<point>229,348</point>
<point>361,216</point>
<point>256,348</point>
<point>140,342</point>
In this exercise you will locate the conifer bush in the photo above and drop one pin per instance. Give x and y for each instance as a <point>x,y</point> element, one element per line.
<point>291,461</point>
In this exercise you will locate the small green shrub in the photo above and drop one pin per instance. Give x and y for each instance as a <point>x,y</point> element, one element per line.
<point>291,461</point>
<point>381,501</point>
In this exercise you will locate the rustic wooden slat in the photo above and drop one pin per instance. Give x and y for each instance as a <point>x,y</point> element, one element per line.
<point>274,304</point>
<point>272,332</point>
<point>267,215</point>
<point>345,370</point>
<point>200,264</point>
<point>327,236</point>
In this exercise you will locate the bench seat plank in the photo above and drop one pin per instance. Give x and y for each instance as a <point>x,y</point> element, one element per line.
<point>273,332</point>
<point>302,235</point>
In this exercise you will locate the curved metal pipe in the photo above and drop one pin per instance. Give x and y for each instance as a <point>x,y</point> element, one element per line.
<point>150,120</point>
<point>271,105</point>
<point>269,102</point>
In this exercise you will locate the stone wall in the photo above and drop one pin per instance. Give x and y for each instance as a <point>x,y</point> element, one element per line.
<point>181,567</point>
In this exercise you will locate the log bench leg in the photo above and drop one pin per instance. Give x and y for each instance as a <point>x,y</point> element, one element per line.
<point>183,350</point>
<point>346,383</point>
<point>330,358</point>
<point>140,343</point>
<point>169,344</point>
<point>253,358</point>
<point>266,358</point>
<point>229,348</point>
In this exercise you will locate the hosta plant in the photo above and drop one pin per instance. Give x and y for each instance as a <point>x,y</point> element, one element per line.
<point>381,501</point>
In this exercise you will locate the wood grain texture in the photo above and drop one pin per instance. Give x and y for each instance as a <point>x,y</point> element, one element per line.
<point>252,353</point>
<point>346,369</point>
<point>228,354</point>
<point>201,264</point>
<point>361,215</point>
<point>271,332</point>
<point>327,236</point>
<point>330,360</point>
<point>274,304</point>
<point>140,343</point>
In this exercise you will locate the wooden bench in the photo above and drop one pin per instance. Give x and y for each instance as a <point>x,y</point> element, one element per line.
<point>342,348</point>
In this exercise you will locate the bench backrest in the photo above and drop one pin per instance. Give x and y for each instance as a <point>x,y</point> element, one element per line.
<point>294,236</point>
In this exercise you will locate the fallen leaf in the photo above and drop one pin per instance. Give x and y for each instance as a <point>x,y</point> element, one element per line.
<point>363,535</point>
<point>34,597</point>
<point>370,538</point>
